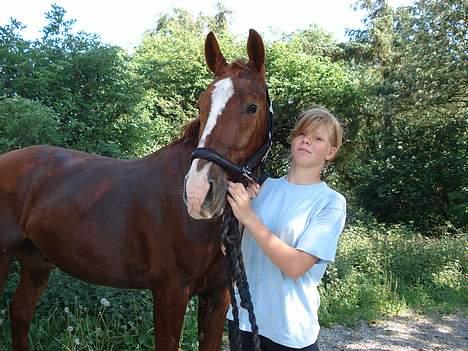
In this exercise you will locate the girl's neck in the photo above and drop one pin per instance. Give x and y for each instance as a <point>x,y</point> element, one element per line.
<point>303,176</point>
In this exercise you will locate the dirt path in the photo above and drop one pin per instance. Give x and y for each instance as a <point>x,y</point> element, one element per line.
<point>402,333</point>
<point>408,332</point>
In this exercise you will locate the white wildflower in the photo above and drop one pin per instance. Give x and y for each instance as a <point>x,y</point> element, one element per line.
<point>66,310</point>
<point>105,302</point>
<point>69,329</point>
<point>77,341</point>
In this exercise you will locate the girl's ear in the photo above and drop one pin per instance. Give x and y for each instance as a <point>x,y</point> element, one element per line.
<point>331,153</point>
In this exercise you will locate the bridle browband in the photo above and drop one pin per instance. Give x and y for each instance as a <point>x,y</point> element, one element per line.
<point>246,170</point>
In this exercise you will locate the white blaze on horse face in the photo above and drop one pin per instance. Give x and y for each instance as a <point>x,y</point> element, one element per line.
<point>221,94</point>
<point>197,185</point>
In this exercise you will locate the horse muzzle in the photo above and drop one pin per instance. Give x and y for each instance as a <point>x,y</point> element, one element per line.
<point>205,192</point>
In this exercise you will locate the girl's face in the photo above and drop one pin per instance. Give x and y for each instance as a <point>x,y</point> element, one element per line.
<point>312,149</point>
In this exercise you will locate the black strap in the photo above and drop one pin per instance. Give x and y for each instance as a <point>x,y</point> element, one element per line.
<point>212,156</point>
<point>262,153</point>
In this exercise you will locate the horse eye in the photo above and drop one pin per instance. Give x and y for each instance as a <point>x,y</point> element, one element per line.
<point>252,108</point>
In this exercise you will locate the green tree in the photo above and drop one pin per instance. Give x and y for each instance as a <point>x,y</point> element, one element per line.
<point>89,85</point>
<point>172,70</point>
<point>412,166</point>
<point>303,72</point>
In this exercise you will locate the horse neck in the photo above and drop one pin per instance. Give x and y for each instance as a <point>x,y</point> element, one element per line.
<point>177,153</point>
<point>174,160</point>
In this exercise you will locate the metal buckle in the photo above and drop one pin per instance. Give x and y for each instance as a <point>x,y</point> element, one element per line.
<point>247,173</point>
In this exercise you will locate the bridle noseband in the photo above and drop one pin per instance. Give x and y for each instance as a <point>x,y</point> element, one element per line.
<point>246,170</point>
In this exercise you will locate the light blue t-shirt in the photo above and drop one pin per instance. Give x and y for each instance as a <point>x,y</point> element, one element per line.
<point>309,218</point>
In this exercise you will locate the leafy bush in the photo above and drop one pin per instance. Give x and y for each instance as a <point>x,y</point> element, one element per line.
<point>88,85</point>
<point>24,122</point>
<point>418,176</point>
<point>383,269</point>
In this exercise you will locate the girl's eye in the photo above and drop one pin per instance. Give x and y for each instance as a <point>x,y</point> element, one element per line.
<point>252,108</point>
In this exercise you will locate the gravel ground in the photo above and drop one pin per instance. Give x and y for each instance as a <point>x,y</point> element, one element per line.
<point>407,332</point>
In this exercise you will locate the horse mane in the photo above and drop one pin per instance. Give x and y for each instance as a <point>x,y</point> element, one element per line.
<point>240,63</point>
<point>190,133</point>
<point>241,68</point>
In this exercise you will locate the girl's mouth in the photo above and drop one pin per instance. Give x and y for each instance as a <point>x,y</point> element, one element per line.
<point>304,150</point>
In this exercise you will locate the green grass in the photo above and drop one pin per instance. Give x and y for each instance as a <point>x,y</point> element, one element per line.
<point>72,315</point>
<point>380,270</point>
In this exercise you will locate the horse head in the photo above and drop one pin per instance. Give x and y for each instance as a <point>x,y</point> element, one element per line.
<point>233,122</point>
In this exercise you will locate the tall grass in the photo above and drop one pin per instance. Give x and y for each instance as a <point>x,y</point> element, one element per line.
<point>380,270</point>
<point>73,315</point>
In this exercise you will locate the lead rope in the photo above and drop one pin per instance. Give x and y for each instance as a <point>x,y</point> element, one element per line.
<point>231,238</point>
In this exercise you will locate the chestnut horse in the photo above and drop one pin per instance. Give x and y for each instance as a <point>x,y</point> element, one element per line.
<point>123,223</point>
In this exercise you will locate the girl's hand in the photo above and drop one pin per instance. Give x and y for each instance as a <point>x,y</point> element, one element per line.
<point>253,189</point>
<point>239,199</point>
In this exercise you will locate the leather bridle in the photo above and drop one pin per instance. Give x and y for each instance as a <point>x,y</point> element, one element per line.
<point>245,171</point>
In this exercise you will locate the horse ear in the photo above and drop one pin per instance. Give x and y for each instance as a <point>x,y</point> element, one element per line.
<point>213,55</point>
<point>256,50</point>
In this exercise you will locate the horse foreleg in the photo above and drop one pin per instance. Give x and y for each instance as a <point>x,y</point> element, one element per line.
<point>169,310</point>
<point>33,281</point>
<point>212,309</point>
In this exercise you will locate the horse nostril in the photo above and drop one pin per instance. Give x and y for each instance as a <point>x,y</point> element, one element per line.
<point>184,195</point>
<point>210,195</point>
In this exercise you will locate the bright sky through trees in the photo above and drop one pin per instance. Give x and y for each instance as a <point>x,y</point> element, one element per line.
<point>123,22</point>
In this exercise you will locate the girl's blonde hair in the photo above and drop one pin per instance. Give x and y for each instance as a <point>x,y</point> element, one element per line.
<point>316,117</point>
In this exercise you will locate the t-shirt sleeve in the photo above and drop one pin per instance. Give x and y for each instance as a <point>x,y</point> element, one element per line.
<point>320,237</point>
